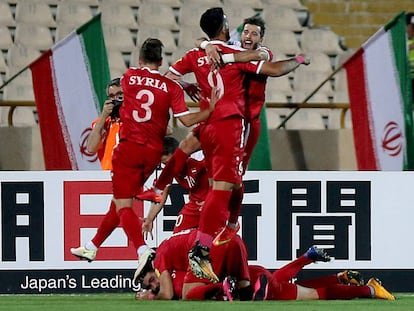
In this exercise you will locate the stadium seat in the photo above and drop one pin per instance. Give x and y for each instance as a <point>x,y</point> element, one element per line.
<point>117,14</point>
<point>319,62</point>
<point>36,36</point>
<point>341,83</point>
<point>5,37</point>
<point>207,3</point>
<point>157,15</point>
<point>91,3</point>
<point>282,41</point>
<point>116,60</point>
<point>235,4</point>
<point>63,30</point>
<point>282,18</point>
<point>308,80</point>
<point>20,56</point>
<point>24,78</point>
<point>276,86</point>
<point>237,14</point>
<point>73,13</point>
<point>164,34</point>
<point>306,119</point>
<point>6,16</point>
<point>118,38</point>
<point>34,12</point>
<point>188,35</point>
<point>294,4</point>
<point>131,3</point>
<point>190,14</point>
<point>3,66</point>
<point>22,116</point>
<point>320,40</point>
<point>170,3</point>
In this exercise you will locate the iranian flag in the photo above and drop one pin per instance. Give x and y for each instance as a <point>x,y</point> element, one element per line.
<point>69,86</point>
<point>380,96</point>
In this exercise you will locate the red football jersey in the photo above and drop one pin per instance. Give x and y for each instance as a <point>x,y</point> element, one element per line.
<point>228,79</point>
<point>194,177</point>
<point>255,95</point>
<point>148,97</point>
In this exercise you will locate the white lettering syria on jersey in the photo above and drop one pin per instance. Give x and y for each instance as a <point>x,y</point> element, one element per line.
<point>146,81</point>
<point>202,61</point>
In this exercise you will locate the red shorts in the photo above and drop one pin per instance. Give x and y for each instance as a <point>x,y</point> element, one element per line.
<point>222,142</point>
<point>132,164</point>
<point>188,217</point>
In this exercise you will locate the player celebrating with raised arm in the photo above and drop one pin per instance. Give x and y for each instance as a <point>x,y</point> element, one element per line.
<point>222,137</point>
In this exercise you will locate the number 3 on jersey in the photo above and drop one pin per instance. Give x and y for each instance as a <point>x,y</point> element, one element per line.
<point>146,98</point>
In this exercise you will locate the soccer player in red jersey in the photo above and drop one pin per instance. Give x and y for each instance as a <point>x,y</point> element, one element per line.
<point>148,98</point>
<point>168,276</point>
<point>192,177</point>
<point>222,136</point>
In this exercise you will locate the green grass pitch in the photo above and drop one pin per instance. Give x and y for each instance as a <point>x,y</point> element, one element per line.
<point>121,302</point>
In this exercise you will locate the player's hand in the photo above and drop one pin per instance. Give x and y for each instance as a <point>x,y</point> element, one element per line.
<point>216,94</point>
<point>213,53</point>
<point>144,295</point>
<point>147,226</point>
<point>193,91</point>
<point>107,108</point>
<point>302,59</point>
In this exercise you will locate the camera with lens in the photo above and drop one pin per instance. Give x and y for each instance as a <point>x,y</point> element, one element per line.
<point>115,111</point>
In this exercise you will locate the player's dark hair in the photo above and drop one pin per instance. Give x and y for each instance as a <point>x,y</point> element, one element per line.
<point>212,21</point>
<point>113,82</point>
<point>258,21</point>
<point>170,145</point>
<point>151,51</point>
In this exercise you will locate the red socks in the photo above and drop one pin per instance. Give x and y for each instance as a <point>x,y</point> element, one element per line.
<point>341,291</point>
<point>235,204</point>
<point>108,224</point>
<point>204,292</point>
<point>215,212</point>
<point>132,226</point>
<point>289,271</point>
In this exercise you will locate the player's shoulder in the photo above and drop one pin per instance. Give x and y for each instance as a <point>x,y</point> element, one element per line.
<point>227,47</point>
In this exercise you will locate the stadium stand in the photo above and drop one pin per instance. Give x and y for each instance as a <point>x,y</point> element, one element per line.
<point>6,16</point>
<point>73,13</point>
<point>283,41</point>
<point>128,22</point>
<point>118,14</point>
<point>6,39</point>
<point>34,12</point>
<point>36,36</point>
<point>150,13</point>
<point>118,38</point>
<point>282,18</point>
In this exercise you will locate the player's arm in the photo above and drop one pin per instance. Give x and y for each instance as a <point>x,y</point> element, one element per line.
<point>94,141</point>
<point>166,287</point>
<point>282,67</point>
<point>155,209</point>
<point>197,117</point>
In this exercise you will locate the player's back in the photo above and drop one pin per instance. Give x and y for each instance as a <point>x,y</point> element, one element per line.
<point>229,79</point>
<point>148,96</point>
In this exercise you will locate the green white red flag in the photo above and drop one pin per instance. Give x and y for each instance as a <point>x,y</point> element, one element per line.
<point>69,86</point>
<point>380,95</point>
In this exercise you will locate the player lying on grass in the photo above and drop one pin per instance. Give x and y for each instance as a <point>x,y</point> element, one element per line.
<point>169,277</point>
